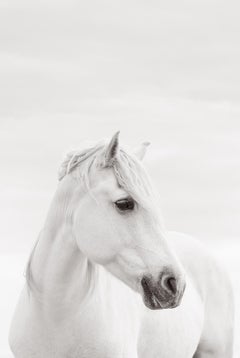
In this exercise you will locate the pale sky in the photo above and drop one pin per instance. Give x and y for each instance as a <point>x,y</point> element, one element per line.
<point>57,54</point>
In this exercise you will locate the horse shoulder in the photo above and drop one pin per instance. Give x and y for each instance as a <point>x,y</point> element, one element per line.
<point>214,287</point>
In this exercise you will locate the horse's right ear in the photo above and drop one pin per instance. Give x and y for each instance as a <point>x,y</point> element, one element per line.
<point>111,151</point>
<point>141,150</point>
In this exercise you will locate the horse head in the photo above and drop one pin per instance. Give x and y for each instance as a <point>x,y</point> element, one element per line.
<point>117,224</point>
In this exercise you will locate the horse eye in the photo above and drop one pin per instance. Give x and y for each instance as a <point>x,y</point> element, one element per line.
<point>125,204</point>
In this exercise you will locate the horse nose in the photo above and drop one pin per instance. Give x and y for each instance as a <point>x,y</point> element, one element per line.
<point>166,292</point>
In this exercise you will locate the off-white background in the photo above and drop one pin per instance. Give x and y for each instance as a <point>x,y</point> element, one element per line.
<point>167,72</point>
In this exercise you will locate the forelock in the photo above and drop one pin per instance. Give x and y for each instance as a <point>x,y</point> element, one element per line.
<point>132,177</point>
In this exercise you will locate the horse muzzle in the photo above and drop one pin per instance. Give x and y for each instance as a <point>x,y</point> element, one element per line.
<point>164,293</point>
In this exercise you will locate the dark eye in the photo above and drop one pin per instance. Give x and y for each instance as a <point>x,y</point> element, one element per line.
<point>125,204</point>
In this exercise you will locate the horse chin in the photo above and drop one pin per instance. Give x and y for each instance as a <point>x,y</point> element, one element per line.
<point>154,303</point>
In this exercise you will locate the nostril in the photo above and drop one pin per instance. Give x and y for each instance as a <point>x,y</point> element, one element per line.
<point>171,284</point>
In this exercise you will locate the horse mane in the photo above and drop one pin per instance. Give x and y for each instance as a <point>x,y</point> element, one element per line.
<point>128,170</point>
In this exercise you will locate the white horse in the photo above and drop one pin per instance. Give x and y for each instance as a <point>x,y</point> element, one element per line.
<point>102,248</point>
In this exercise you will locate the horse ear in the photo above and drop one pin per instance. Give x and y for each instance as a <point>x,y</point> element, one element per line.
<point>140,151</point>
<point>112,150</point>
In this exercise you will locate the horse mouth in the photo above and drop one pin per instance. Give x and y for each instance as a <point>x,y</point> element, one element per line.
<point>155,300</point>
<point>154,303</point>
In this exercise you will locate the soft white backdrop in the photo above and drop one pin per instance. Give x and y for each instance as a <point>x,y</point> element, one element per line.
<point>167,72</point>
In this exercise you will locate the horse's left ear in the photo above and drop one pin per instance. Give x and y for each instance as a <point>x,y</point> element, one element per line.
<point>112,150</point>
<point>140,151</point>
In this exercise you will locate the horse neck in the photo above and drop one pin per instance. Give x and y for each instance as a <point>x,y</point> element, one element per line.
<point>61,274</point>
